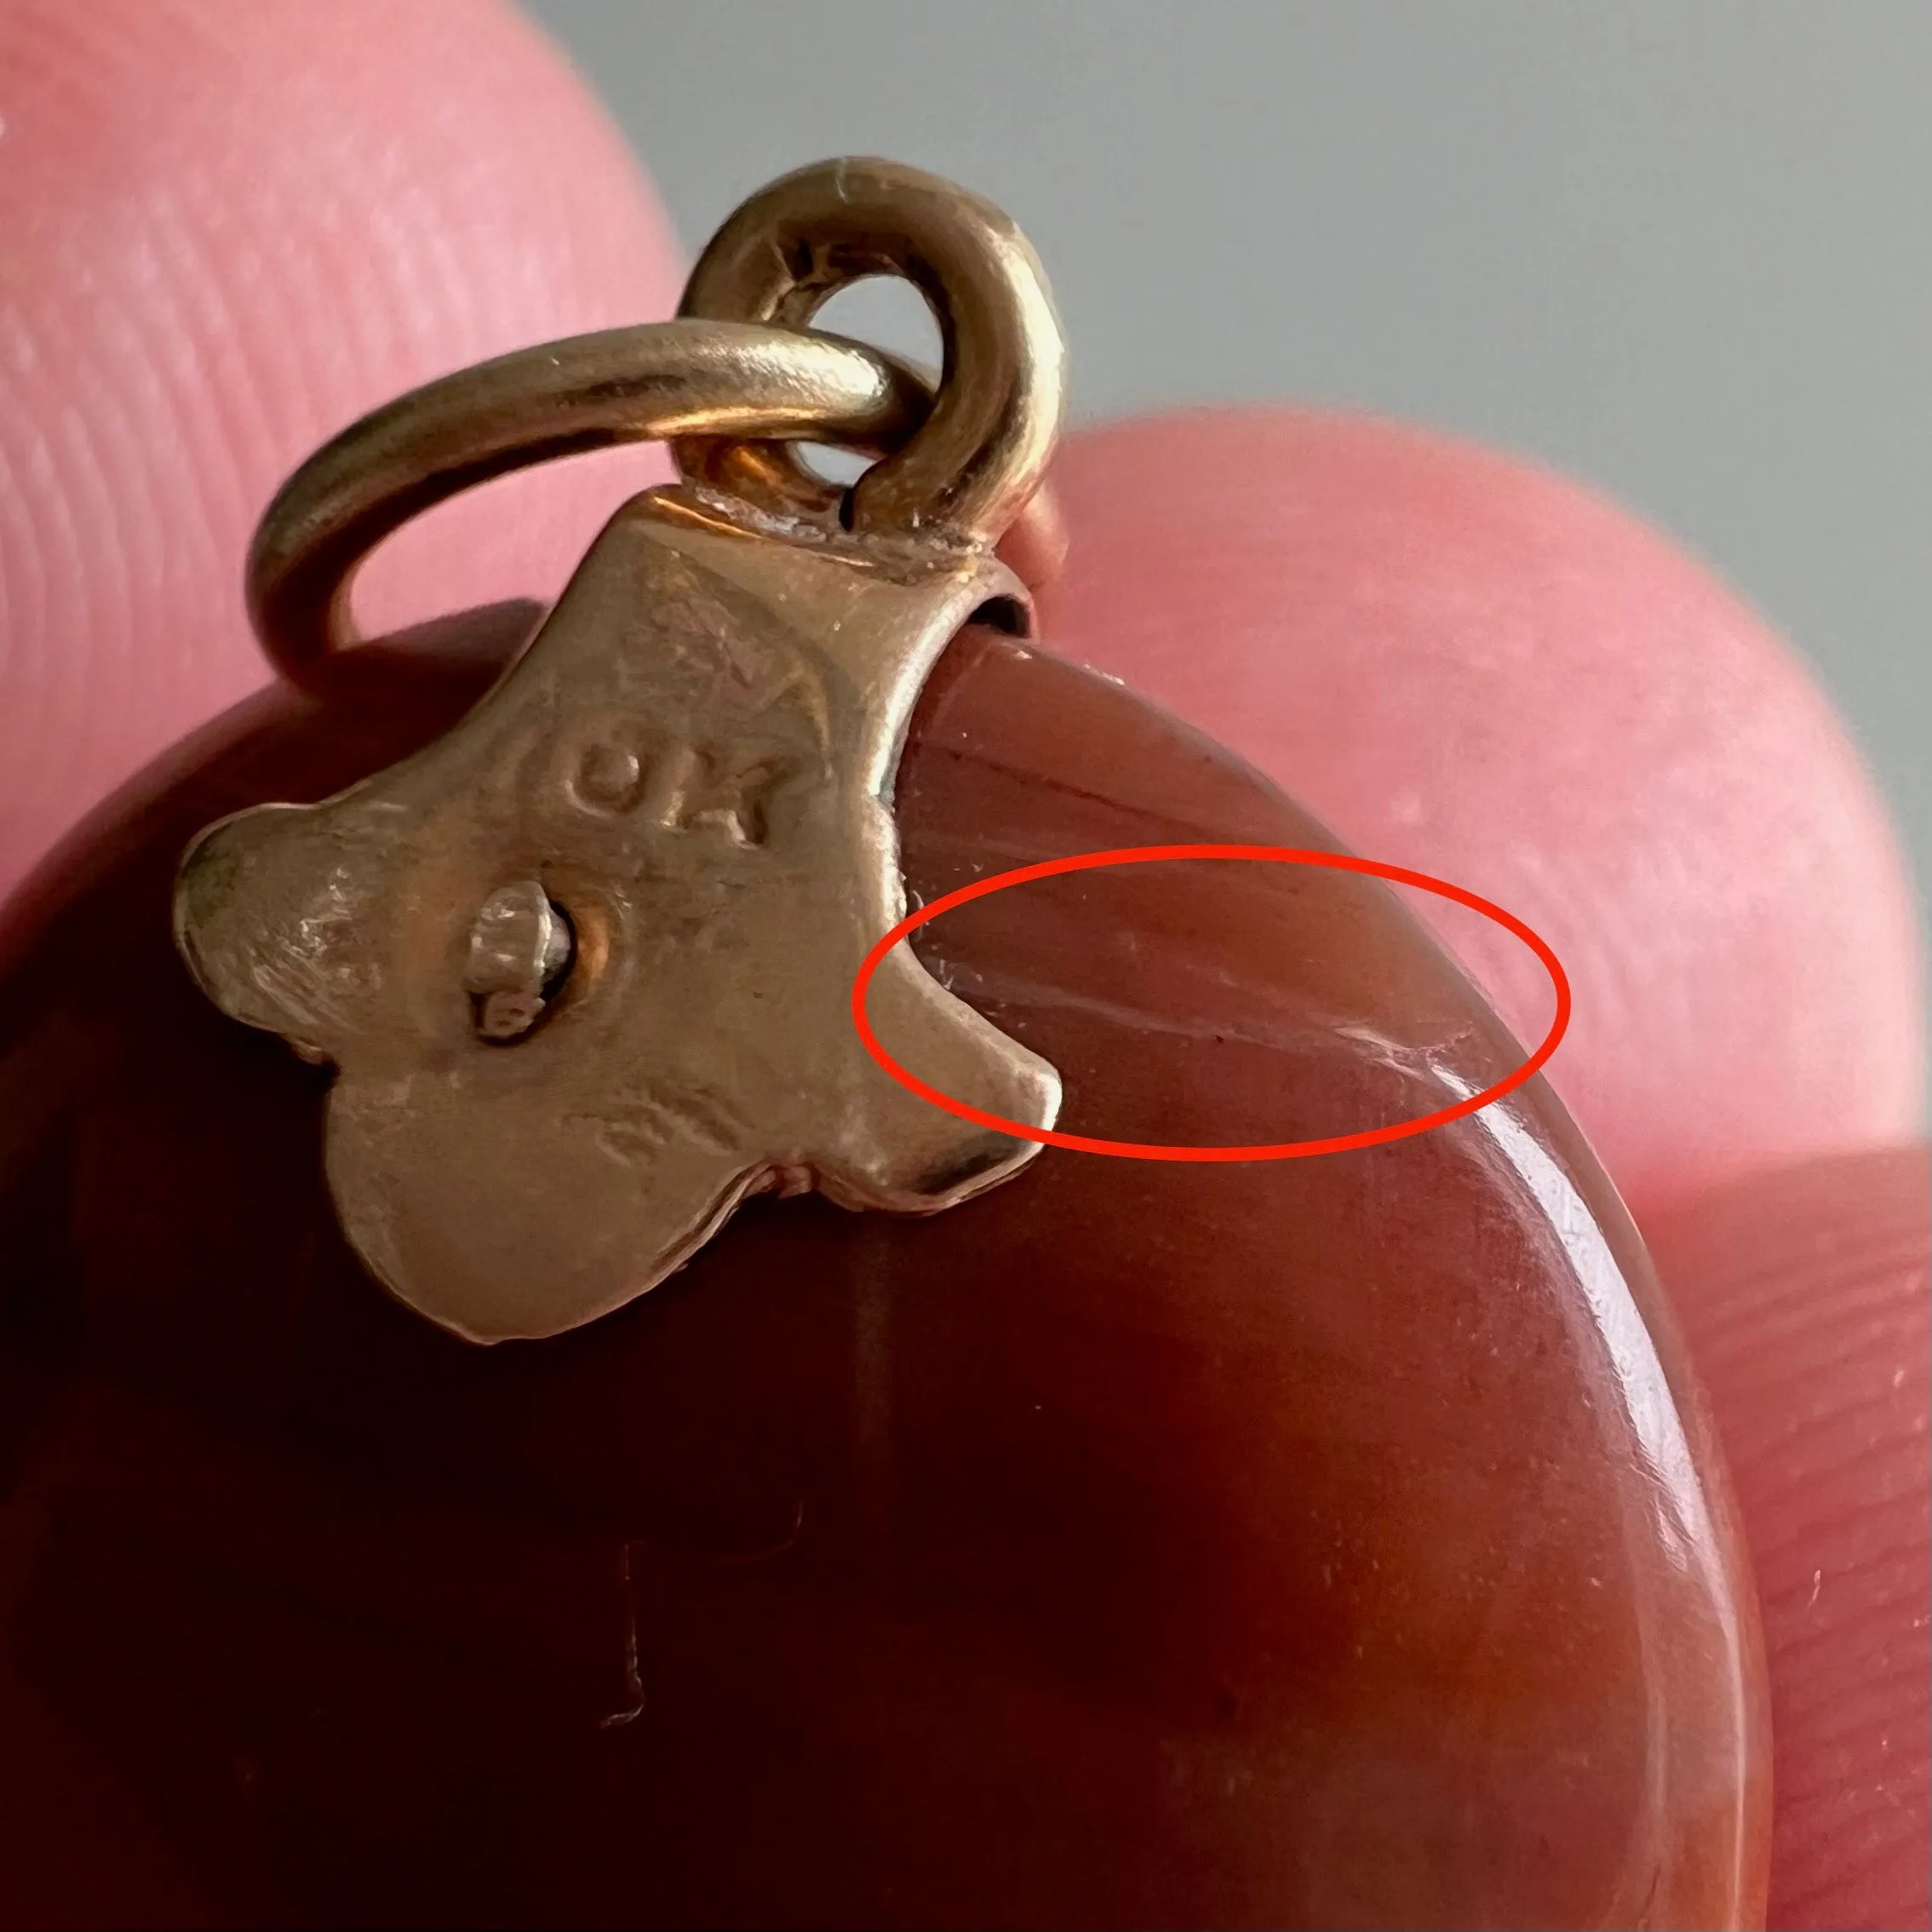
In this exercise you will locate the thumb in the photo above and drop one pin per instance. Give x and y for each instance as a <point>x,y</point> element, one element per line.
<point>226,232</point>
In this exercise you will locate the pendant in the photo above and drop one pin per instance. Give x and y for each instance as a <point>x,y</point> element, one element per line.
<point>1056,1539</point>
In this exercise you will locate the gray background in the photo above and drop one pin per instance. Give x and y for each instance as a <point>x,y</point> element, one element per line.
<point>1679,250</point>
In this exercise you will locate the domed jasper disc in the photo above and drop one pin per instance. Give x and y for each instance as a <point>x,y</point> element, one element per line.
<point>1328,1542</point>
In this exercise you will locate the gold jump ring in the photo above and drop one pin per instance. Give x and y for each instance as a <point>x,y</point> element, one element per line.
<point>656,381</point>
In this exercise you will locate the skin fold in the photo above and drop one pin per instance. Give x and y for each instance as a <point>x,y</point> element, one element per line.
<point>226,230</point>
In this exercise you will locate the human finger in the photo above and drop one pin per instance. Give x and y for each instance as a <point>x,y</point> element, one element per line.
<point>1474,668</point>
<point>1804,1296</point>
<point>224,232</point>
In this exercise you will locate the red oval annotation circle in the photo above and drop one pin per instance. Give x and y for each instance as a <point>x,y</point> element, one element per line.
<point>1159,1150</point>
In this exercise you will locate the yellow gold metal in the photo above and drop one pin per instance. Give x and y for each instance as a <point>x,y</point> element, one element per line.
<point>969,472</point>
<point>620,386</point>
<point>584,965</point>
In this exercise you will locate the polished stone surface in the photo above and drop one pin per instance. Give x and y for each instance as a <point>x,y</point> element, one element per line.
<point>1328,1542</point>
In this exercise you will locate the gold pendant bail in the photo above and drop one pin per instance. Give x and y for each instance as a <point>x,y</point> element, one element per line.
<point>970,470</point>
<point>729,383</point>
<point>585,966</point>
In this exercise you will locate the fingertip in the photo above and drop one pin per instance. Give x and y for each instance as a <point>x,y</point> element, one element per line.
<point>1476,668</point>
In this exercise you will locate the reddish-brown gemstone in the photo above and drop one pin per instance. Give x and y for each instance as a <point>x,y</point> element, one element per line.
<point>1326,1542</point>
